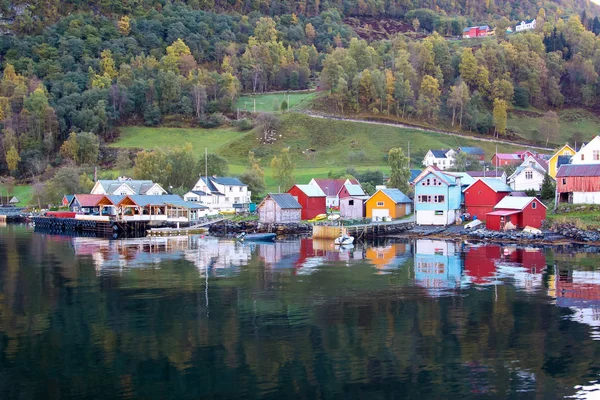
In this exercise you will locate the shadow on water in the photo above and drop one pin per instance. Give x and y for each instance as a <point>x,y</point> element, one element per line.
<point>201,317</point>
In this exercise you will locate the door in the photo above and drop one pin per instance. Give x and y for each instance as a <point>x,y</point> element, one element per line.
<point>380,213</point>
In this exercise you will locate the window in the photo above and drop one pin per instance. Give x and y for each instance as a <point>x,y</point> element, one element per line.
<point>380,204</point>
<point>596,155</point>
<point>350,202</point>
<point>564,180</point>
<point>226,199</point>
<point>236,199</point>
<point>439,212</point>
<point>424,199</point>
<point>231,188</point>
<point>428,182</point>
<point>582,157</point>
<point>439,199</point>
<point>528,174</point>
<point>534,205</point>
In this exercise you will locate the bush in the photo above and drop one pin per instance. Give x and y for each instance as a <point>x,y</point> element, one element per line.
<point>243,124</point>
<point>521,98</point>
<point>213,121</point>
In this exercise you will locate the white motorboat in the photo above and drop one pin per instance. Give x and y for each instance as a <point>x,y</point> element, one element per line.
<point>344,240</point>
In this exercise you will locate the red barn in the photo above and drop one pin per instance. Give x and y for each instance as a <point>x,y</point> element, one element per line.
<point>311,198</point>
<point>482,196</point>
<point>578,183</point>
<point>519,211</point>
<point>503,159</point>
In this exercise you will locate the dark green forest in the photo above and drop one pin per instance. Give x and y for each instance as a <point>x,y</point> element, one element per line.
<point>74,68</point>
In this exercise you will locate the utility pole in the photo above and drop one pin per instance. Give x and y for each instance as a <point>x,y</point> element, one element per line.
<point>206,165</point>
<point>255,105</point>
<point>409,154</point>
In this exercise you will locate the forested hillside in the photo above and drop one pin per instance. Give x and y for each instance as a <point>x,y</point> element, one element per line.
<point>77,70</point>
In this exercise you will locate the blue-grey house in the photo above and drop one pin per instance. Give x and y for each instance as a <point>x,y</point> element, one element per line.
<point>438,197</point>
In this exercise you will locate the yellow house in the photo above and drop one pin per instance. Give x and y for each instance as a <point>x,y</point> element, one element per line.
<point>388,203</point>
<point>566,150</point>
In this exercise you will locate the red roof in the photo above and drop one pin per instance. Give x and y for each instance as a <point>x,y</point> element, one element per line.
<point>567,170</point>
<point>331,187</point>
<point>503,213</point>
<point>88,200</point>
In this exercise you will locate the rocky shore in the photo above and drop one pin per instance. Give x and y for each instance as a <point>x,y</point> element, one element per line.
<point>230,227</point>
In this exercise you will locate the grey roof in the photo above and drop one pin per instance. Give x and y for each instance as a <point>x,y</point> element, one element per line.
<point>198,192</point>
<point>311,190</point>
<point>285,200</point>
<point>486,174</point>
<point>138,186</point>
<point>355,190</point>
<point>567,170</point>
<point>227,181</point>
<point>514,203</point>
<point>397,196</point>
<point>472,150</point>
<point>115,199</point>
<point>497,185</point>
<point>521,168</point>
<point>439,153</point>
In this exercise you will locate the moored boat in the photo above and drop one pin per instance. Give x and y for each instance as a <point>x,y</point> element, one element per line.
<point>257,237</point>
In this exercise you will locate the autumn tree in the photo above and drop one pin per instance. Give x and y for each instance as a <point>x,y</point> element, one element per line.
<point>283,169</point>
<point>468,67</point>
<point>400,172</point>
<point>459,97</point>
<point>428,104</point>
<point>12,159</point>
<point>500,116</point>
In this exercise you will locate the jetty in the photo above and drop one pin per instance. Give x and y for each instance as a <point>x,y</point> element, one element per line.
<point>367,230</point>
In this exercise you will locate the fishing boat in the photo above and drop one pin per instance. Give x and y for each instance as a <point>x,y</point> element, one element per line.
<point>256,237</point>
<point>344,240</point>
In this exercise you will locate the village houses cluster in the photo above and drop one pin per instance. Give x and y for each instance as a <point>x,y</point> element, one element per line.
<point>471,32</point>
<point>440,197</point>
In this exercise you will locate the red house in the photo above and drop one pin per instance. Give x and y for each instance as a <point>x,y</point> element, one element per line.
<point>519,211</point>
<point>523,154</point>
<point>482,196</point>
<point>311,198</point>
<point>503,159</point>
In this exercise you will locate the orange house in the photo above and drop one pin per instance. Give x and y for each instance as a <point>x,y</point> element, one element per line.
<point>388,203</point>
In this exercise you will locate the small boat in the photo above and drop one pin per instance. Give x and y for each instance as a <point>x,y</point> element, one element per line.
<point>333,217</point>
<point>344,240</point>
<point>257,237</point>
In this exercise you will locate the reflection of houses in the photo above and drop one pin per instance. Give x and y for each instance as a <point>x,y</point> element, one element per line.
<point>480,263</point>
<point>437,264</point>
<point>523,265</point>
<point>579,291</point>
<point>282,254</point>
<point>392,256</point>
<point>217,257</point>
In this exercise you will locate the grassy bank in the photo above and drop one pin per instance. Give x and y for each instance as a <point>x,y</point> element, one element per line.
<point>272,102</point>
<point>573,122</point>
<point>23,192</point>
<point>582,216</point>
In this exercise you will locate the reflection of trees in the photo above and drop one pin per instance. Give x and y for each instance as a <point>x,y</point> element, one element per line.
<point>149,332</point>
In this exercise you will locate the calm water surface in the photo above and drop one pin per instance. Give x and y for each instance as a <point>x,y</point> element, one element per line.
<point>190,318</point>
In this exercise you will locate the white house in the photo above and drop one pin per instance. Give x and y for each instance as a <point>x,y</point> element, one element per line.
<point>127,187</point>
<point>220,193</point>
<point>529,175</point>
<point>443,159</point>
<point>526,25</point>
<point>589,153</point>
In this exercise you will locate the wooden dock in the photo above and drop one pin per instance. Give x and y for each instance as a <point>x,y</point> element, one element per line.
<point>376,229</point>
<point>194,230</point>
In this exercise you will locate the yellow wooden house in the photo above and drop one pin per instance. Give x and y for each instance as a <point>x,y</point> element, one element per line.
<point>388,203</point>
<point>566,150</point>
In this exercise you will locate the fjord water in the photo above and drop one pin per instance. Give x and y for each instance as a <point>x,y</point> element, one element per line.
<point>190,318</point>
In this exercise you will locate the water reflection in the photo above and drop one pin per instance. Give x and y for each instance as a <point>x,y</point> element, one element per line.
<point>200,317</point>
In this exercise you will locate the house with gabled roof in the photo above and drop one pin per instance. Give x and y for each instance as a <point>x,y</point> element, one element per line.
<point>562,156</point>
<point>279,208</point>
<point>589,153</point>
<point>311,198</point>
<point>334,189</point>
<point>220,193</point>
<point>504,159</point>
<point>438,197</point>
<point>443,159</point>
<point>167,207</point>
<point>126,186</point>
<point>526,25</point>
<point>85,203</point>
<point>388,203</point>
<point>578,183</point>
<point>482,196</point>
<point>529,175</point>
<point>516,212</point>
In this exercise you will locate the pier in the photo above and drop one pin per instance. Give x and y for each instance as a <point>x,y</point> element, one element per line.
<point>369,230</point>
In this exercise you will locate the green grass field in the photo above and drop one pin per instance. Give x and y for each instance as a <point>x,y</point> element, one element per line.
<point>272,102</point>
<point>572,121</point>
<point>156,138</point>
<point>318,146</point>
<point>23,192</point>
